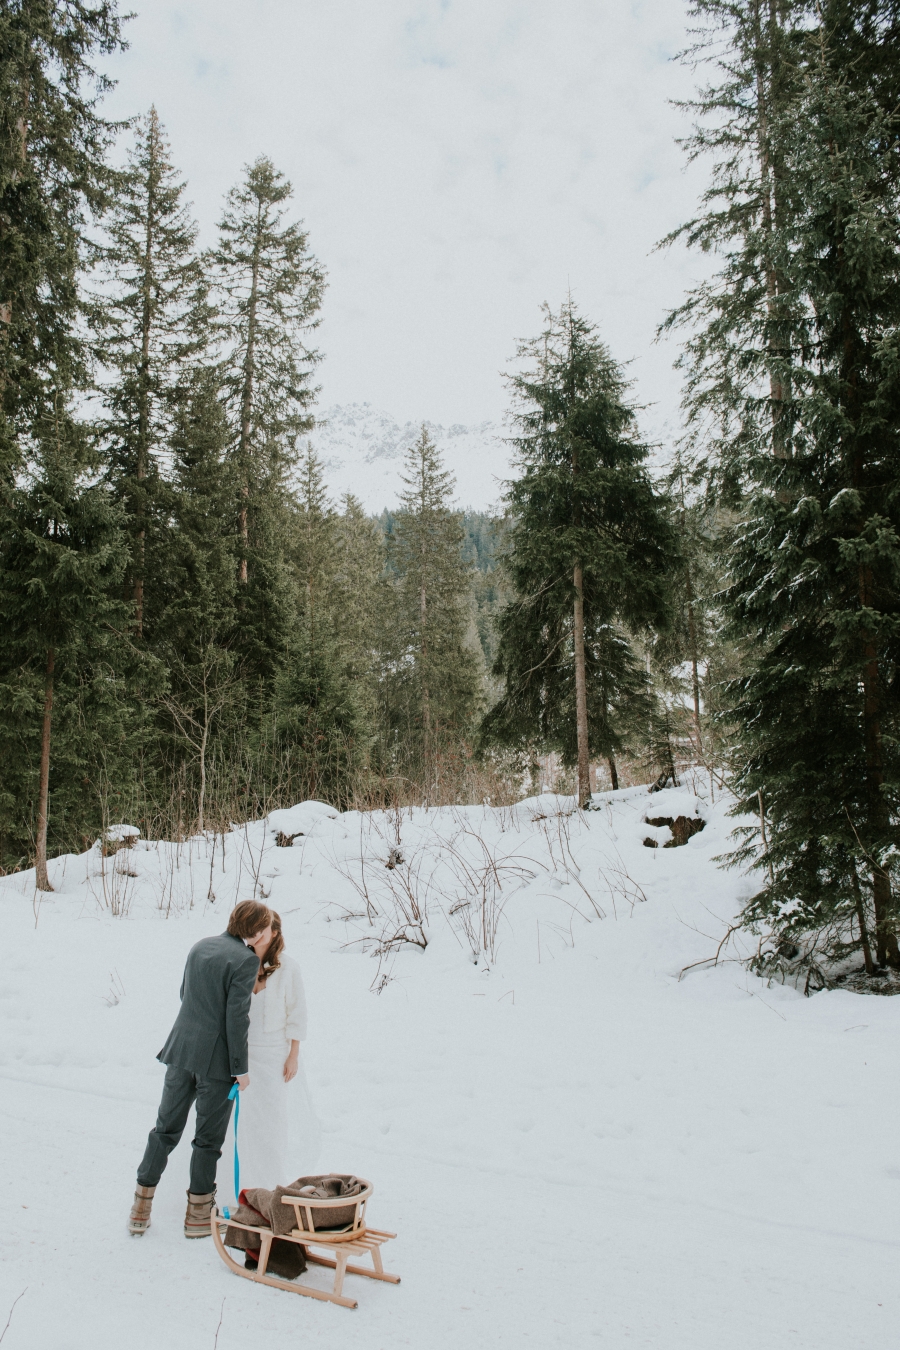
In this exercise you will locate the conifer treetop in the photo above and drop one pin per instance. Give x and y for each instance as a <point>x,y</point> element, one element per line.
<point>269,288</point>
<point>429,486</point>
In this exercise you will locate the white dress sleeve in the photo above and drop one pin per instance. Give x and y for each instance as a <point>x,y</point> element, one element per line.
<point>294,1002</point>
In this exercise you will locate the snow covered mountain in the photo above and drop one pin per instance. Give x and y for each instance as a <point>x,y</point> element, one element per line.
<point>362,451</point>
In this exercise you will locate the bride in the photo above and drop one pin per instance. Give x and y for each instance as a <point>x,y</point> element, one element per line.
<point>278,1134</point>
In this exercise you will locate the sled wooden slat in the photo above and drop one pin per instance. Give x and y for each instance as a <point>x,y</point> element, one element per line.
<point>355,1270</point>
<point>275,1283</point>
<point>358,1242</point>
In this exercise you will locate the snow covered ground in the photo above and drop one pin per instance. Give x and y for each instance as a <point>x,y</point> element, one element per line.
<point>576,1148</point>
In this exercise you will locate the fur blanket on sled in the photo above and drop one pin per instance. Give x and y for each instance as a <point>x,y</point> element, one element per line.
<point>263,1209</point>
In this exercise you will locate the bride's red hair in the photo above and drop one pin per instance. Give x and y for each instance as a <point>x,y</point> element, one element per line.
<point>270,961</point>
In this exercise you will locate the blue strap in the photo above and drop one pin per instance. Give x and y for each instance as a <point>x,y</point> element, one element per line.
<point>235,1096</point>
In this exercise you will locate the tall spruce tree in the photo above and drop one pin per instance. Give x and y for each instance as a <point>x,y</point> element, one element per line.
<point>433,686</point>
<point>804,390</point>
<point>53,178</point>
<point>269,288</point>
<point>194,563</point>
<point>680,655</point>
<point>197,559</point>
<point>62,555</point>
<point>153,318</point>
<point>590,546</point>
<point>360,594</point>
<point>60,540</point>
<point>313,551</point>
<point>318,723</point>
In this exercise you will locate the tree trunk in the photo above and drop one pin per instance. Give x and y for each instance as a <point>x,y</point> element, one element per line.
<point>863,931</point>
<point>695,674</point>
<point>247,398</point>
<point>887,949</point>
<point>769,198</point>
<point>245,536</point>
<point>203,739</point>
<point>765,841</point>
<point>6,306</point>
<point>42,881</point>
<point>426,693</point>
<point>581,716</point>
<point>144,380</point>
<point>613,773</point>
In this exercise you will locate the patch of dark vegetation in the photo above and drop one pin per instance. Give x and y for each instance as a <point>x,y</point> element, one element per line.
<point>881,981</point>
<point>682,828</point>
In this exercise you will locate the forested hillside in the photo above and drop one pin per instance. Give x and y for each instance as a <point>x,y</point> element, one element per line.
<point>195,630</point>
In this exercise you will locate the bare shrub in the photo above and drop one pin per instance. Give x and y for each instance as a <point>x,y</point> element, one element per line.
<point>394,898</point>
<point>482,876</point>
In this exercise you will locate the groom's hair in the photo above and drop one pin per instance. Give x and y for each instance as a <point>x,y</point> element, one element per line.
<point>249,918</point>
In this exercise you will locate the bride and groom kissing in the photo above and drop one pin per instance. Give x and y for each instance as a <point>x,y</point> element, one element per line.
<point>242,1017</point>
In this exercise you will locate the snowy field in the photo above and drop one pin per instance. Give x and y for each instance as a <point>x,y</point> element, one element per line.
<point>576,1148</point>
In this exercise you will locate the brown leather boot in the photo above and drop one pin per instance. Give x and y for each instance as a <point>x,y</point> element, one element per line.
<point>139,1219</point>
<point>197,1218</point>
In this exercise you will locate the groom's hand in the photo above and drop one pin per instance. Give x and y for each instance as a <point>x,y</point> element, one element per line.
<point>243,1081</point>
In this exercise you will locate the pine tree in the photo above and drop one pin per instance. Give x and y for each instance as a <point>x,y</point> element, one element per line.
<point>808,406</point>
<point>269,287</point>
<point>590,547</point>
<point>154,318</point>
<point>195,563</point>
<point>433,685</point>
<point>319,721</point>
<point>482,549</point>
<point>360,600</point>
<point>60,545</point>
<point>198,574</point>
<point>315,541</point>
<point>745,209</point>
<point>62,555</point>
<point>686,645</point>
<point>53,179</point>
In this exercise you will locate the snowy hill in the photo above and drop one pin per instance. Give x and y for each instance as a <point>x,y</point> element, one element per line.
<point>620,1157</point>
<point>362,449</point>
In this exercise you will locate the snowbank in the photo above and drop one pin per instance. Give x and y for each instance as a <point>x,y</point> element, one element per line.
<point>300,819</point>
<point>620,1156</point>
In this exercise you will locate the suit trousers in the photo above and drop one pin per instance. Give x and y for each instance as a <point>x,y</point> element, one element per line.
<point>180,1090</point>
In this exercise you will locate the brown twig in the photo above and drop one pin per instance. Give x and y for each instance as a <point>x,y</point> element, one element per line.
<point>710,960</point>
<point>218,1328</point>
<point>11,1311</point>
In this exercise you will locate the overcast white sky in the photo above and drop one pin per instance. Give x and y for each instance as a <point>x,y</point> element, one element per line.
<point>457,162</point>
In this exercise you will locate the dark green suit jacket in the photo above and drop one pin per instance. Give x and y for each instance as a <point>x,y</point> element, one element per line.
<point>209,1038</point>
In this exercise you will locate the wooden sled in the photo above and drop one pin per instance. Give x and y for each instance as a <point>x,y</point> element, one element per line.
<point>354,1240</point>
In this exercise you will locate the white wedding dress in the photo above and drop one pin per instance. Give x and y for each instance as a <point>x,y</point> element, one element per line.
<point>278,1133</point>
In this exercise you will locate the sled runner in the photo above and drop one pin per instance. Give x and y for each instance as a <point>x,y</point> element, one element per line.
<point>333,1247</point>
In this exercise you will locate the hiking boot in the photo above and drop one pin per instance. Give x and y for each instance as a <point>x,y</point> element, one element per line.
<point>199,1212</point>
<point>139,1219</point>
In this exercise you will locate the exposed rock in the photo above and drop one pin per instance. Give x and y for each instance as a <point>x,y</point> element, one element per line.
<point>682,828</point>
<point>116,837</point>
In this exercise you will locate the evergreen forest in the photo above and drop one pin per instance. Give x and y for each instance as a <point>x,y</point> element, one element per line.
<point>194,632</point>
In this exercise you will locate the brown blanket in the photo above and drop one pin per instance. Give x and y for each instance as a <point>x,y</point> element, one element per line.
<point>264,1209</point>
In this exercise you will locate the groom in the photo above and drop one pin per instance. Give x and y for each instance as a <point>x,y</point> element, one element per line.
<point>205,1052</point>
